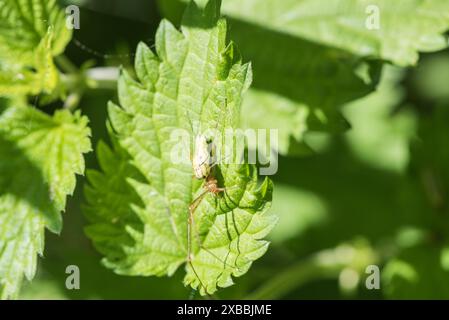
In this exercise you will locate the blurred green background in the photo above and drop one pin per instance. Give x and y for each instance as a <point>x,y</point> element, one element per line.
<point>376,193</point>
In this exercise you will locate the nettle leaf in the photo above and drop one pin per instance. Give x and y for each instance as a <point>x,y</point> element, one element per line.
<point>25,23</point>
<point>301,84</point>
<point>110,197</point>
<point>193,82</point>
<point>406,27</point>
<point>40,156</point>
<point>18,80</point>
<point>31,34</point>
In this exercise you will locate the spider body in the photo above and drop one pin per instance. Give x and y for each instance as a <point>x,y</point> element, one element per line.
<point>203,170</point>
<point>202,157</point>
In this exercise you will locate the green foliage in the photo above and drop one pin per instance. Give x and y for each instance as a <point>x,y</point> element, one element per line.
<point>302,49</point>
<point>431,78</point>
<point>25,25</point>
<point>417,273</point>
<point>40,156</point>
<point>363,177</point>
<point>293,72</point>
<point>195,78</point>
<point>31,34</point>
<point>376,136</point>
<point>431,155</point>
<point>343,24</point>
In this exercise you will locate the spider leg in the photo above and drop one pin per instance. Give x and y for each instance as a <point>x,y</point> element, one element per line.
<point>190,228</point>
<point>218,162</point>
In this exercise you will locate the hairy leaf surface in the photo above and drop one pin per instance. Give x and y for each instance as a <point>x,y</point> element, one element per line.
<point>40,156</point>
<point>31,34</point>
<point>194,82</point>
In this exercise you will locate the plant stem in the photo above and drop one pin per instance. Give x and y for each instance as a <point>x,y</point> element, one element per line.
<point>65,64</point>
<point>293,277</point>
<point>322,265</point>
<point>102,78</point>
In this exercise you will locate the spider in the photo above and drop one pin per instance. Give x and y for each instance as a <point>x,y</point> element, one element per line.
<point>203,163</point>
<point>203,169</point>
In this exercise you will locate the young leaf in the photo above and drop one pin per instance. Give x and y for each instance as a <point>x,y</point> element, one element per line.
<point>193,82</point>
<point>40,156</point>
<point>31,34</point>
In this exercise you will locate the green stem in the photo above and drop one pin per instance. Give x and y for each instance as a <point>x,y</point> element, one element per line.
<point>294,277</point>
<point>322,265</point>
<point>102,78</point>
<point>66,65</point>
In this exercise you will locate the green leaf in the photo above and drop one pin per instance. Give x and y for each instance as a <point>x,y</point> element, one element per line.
<point>40,156</point>
<point>406,27</point>
<point>379,135</point>
<point>298,210</point>
<point>293,121</point>
<point>25,23</point>
<point>417,273</point>
<point>31,34</point>
<point>288,117</point>
<point>109,196</point>
<point>19,80</point>
<point>431,77</point>
<point>291,76</point>
<point>195,82</point>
